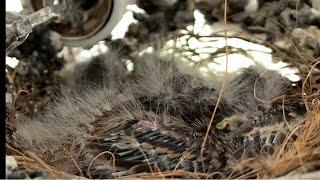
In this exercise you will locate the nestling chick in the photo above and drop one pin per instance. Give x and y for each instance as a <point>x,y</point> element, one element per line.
<point>168,86</point>
<point>156,121</point>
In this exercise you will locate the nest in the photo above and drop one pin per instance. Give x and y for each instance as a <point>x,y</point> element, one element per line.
<point>290,157</point>
<point>295,156</point>
<point>298,157</point>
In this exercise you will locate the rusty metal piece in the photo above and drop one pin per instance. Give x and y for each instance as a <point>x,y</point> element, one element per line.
<point>84,22</point>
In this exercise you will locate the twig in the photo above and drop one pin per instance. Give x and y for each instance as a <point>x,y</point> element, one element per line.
<point>222,88</point>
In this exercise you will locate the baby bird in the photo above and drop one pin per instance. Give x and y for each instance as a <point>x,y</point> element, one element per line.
<point>142,141</point>
<point>107,123</point>
<point>171,87</point>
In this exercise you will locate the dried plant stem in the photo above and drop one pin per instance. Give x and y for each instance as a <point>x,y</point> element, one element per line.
<point>105,152</point>
<point>222,88</point>
<point>304,84</point>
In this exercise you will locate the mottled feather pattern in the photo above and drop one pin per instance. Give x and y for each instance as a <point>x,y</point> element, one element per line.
<point>154,119</point>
